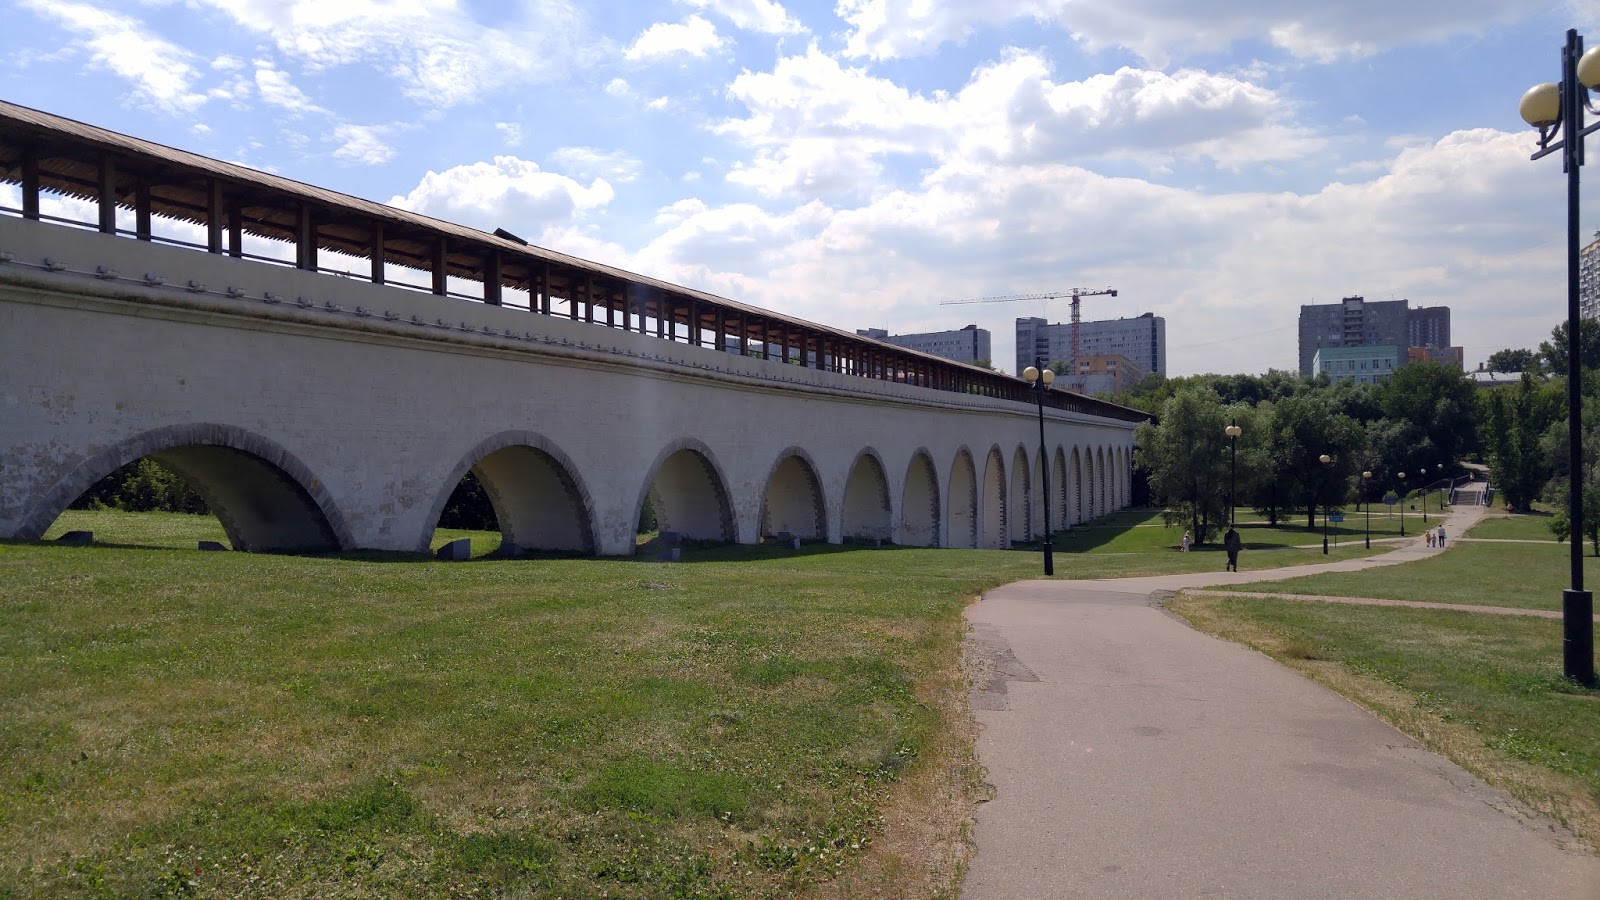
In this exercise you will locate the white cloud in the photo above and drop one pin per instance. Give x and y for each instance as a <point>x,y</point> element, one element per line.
<point>276,89</point>
<point>1159,30</point>
<point>162,73</point>
<point>512,132</point>
<point>440,54</point>
<point>618,87</point>
<point>1463,221</point>
<point>508,192</point>
<point>765,16</point>
<point>817,126</point>
<point>693,36</point>
<point>363,144</point>
<point>592,162</point>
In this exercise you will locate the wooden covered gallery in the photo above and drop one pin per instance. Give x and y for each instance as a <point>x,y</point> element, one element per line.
<point>41,153</point>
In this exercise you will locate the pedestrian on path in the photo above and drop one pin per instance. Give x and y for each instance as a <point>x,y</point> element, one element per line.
<point>1441,536</point>
<point>1429,536</point>
<point>1232,544</point>
<point>1184,545</point>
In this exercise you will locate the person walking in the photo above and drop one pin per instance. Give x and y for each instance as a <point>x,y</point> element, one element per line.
<point>1440,541</point>
<point>1232,543</point>
<point>1184,545</point>
<point>1429,536</point>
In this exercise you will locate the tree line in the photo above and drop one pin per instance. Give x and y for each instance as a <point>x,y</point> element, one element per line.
<point>1425,420</point>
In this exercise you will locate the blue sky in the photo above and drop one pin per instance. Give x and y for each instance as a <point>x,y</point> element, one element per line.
<point>855,163</point>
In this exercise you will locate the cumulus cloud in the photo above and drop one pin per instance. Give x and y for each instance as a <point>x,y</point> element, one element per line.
<point>163,74</point>
<point>765,16</point>
<point>591,162</point>
<point>506,192</point>
<point>817,126</point>
<point>1160,30</point>
<point>693,36</point>
<point>438,52</point>
<point>275,89</point>
<point>363,144</point>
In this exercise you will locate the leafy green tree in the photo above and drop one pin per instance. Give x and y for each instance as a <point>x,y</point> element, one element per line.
<point>469,507</point>
<point>1441,402</point>
<point>1515,422</point>
<point>1513,360</point>
<point>143,485</point>
<point>1554,351</point>
<point>1561,522</point>
<point>1303,430</point>
<point>1186,456</point>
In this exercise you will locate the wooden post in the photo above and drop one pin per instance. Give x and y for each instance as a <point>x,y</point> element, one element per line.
<point>235,228</point>
<point>108,194</point>
<point>30,184</point>
<point>376,245</point>
<point>216,217</point>
<point>493,288</point>
<point>141,211</point>
<point>544,288</point>
<point>305,240</point>
<point>441,260</point>
<point>588,299</point>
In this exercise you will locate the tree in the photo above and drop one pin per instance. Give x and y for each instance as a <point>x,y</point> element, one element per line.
<point>1304,430</point>
<point>1554,350</point>
<point>1515,421</point>
<point>1187,457</point>
<point>1441,402</point>
<point>1561,523</point>
<point>143,485</point>
<point>1513,360</point>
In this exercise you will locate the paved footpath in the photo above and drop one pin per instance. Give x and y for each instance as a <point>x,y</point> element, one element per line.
<point>1132,756</point>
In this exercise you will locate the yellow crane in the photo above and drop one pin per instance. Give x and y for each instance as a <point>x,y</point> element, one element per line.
<point>1075,293</point>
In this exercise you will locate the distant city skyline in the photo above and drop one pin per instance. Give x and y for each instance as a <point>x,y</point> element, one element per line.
<point>856,162</point>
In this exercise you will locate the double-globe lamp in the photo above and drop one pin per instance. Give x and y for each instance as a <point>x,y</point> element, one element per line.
<point>1232,431</point>
<point>1039,378</point>
<point>1325,459</point>
<point>1558,109</point>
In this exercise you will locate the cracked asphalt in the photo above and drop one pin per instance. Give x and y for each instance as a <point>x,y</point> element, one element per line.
<point>1132,756</point>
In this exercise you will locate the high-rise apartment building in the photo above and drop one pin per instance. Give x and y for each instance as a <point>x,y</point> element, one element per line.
<point>1358,322</point>
<point>969,344</point>
<point>1143,340</point>
<point>1589,279</point>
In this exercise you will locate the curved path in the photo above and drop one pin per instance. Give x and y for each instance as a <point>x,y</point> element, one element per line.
<point>1132,756</point>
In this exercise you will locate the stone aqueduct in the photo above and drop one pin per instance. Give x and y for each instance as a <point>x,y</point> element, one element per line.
<point>314,411</point>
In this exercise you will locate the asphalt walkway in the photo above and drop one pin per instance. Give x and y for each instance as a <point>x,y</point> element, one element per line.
<point>1132,756</point>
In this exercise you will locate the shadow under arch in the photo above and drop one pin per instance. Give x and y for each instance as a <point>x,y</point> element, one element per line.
<point>992,500</point>
<point>793,499</point>
<point>919,501</point>
<point>689,493</point>
<point>868,511</point>
<point>963,499</point>
<point>538,500</point>
<point>266,499</point>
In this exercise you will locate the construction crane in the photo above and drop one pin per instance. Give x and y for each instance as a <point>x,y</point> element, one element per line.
<point>1076,294</point>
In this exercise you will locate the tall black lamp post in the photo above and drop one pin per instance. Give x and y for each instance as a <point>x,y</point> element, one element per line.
<point>1040,378</point>
<point>1325,459</point>
<point>1558,110</point>
<point>1233,431</point>
<point>1402,477</point>
<point>1364,476</point>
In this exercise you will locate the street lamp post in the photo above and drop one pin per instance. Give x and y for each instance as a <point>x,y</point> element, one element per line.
<point>1558,109</point>
<point>1402,477</point>
<point>1040,378</point>
<point>1232,431</point>
<point>1364,476</point>
<point>1424,498</point>
<point>1325,459</point>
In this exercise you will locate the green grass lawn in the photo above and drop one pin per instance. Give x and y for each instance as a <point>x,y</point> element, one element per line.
<point>1526,576</point>
<point>1143,531</point>
<point>1534,526</point>
<point>737,724</point>
<point>1485,690</point>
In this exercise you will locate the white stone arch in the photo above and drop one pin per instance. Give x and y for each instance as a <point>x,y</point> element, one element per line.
<point>1075,503</point>
<point>1036,495</point>
<point>689,493</point>
<point>1102,498</point>
<point>792,501</point>
<point>538,498</point>
<point>264,496</point>
<point>919,502</point>
<point>868,511</point>
<point>1089,473</point>
<point>992,500</point>
<point>1017,518</point>
<point>963,504</point>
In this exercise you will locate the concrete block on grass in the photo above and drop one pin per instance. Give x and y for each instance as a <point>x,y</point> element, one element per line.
<point>76,538</point>
<point>212,546</point>
<point>457,550</point>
